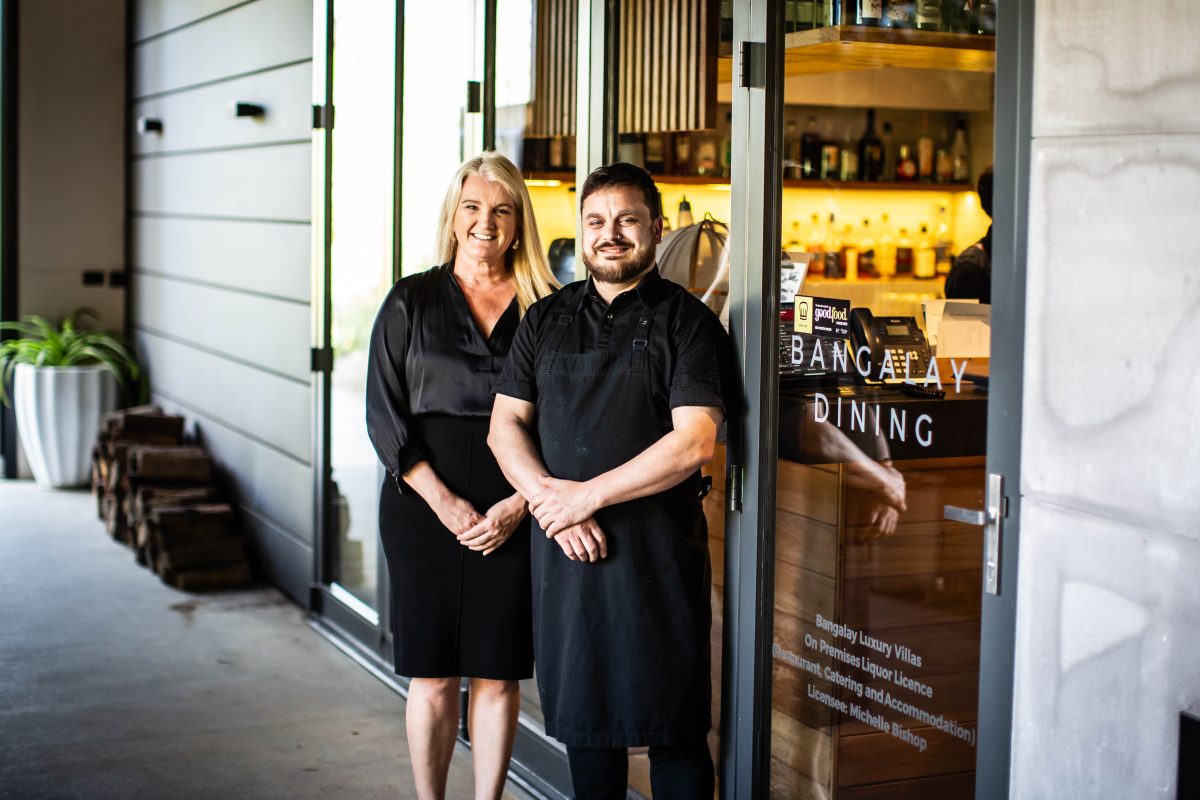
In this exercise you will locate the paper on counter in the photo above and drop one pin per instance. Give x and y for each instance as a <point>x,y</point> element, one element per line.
<point>965,330</point>
<point>933,317</point>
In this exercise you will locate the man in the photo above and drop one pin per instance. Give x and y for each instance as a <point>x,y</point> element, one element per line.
<point>971,275</point>
<point>609,404</point>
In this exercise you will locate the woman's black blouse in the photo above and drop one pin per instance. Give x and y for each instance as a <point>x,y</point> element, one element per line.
<point>428,357</point>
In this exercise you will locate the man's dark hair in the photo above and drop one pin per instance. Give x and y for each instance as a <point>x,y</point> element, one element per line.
<point>984,189</point>
<point>623,174</point>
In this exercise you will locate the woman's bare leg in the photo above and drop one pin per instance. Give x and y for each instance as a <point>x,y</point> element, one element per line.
<point>431,716</point>
<point>493,725</point>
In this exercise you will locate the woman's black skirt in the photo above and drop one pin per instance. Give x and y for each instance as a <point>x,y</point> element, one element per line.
<point>456,612</point>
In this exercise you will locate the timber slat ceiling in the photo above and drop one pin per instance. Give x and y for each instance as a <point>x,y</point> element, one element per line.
<point>554,70</point>
<point>667,79</point>
<point>668,70</point>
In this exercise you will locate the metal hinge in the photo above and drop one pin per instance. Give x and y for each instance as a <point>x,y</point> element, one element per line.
<point>733,487</point>
<point>322,118</point>
<point>474,97</point>
<point>322,359</point>
<point>752,68</point>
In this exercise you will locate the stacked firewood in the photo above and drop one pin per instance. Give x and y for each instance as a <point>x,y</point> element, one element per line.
<point>155,493</point>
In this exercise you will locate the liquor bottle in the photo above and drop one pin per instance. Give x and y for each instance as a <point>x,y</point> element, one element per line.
<point>830,154</point>
<point>810,150</point>
<point>904,253</point>
<point>727,145</point>
<point>943,164</point>
<point>888,170</point>
<point>816,237</point>
<point>956,16</point>
<point>656,153</point>
<point>866,252</point>
<point>791,150</point>
<point>943,243</point>
<point>556,154</point>
<point>807,15</point>
<point>925,152</point>
<point>569,153</point>
<point>868,12</point>
<point>929,15</point>
<point>793,243</point>
<point>849,255</point>
<point>832,250</point>
<point>848,167</point>
<point>684,218</point>
<point>683,154</point>
<point>885,250</point>
<point>898,13</point>
<point>870,152</point>
<point>629,149</point>
<point>926,256</point>
<point>960,154</point>
<point>706,154</point>
<point>906,168</point>
<point>984,18</point>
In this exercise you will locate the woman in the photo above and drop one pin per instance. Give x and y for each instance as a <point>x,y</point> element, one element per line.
<point>453,530</point>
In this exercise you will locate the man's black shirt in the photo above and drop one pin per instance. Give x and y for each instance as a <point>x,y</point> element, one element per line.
<point>687,349</point>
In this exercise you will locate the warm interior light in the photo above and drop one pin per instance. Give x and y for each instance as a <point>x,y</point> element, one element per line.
<point>542,182</point>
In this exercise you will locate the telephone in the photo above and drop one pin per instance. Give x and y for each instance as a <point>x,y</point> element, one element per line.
<point>899,336</point>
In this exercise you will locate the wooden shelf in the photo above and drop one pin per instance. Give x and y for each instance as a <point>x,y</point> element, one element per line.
<point>568,179</point>
<point>845,48</point>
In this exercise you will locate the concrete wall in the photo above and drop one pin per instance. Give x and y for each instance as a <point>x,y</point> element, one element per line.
<point>220,250</point>
<point>1109,597</point>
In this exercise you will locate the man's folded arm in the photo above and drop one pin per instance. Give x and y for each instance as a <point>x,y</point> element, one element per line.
<point>510,437</point>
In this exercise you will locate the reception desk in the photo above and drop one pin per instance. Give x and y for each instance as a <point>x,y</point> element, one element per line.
<point>877,598</point>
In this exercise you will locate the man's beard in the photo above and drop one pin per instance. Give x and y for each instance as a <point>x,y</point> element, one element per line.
<point>620,271</point>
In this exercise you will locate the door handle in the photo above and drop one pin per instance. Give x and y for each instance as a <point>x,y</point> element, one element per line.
<point>991,517</point>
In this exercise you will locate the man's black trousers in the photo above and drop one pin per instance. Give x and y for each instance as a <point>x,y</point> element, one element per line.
<point>677,772</point>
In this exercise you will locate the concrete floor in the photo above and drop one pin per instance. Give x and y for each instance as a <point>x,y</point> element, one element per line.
<point>113,685</point>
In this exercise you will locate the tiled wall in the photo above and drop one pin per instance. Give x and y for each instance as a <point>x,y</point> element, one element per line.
<point>1108,630</point>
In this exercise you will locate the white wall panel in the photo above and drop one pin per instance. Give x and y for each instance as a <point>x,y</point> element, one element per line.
<point>152,17</point>
<point>260,183</point>
<point>266,257</point>
<point>275,411</point>
<point>265,332</point>
<point>276,485</point>
<point>257,36</point>
<point>203,118</point>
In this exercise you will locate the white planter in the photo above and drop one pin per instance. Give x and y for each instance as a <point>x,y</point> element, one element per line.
<point>58,417</point>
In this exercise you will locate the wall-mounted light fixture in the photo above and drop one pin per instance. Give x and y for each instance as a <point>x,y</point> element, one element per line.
<point>252,110</point>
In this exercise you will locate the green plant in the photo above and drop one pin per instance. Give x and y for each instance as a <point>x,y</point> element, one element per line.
<point>43,345</point>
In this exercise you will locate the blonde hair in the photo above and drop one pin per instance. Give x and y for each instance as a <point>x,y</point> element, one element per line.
<point>527,262</point>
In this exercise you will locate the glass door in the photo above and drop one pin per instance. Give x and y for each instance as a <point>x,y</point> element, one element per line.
<point>355,111</point>
<point>866,351</point>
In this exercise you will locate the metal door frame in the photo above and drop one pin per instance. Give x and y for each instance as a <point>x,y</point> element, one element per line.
<point>370,644</point>
<point>755,227</point>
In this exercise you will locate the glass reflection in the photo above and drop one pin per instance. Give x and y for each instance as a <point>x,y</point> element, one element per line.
<point>361,264</point>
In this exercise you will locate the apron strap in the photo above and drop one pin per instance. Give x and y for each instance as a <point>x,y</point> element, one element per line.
<point>640,342</point>
<point>560,330</point>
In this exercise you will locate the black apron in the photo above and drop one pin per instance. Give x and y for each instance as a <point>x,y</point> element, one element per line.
<point>622,644</point>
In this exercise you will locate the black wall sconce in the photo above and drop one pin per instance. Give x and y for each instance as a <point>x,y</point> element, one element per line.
<point>252,110</point>
<point>146,125</point>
